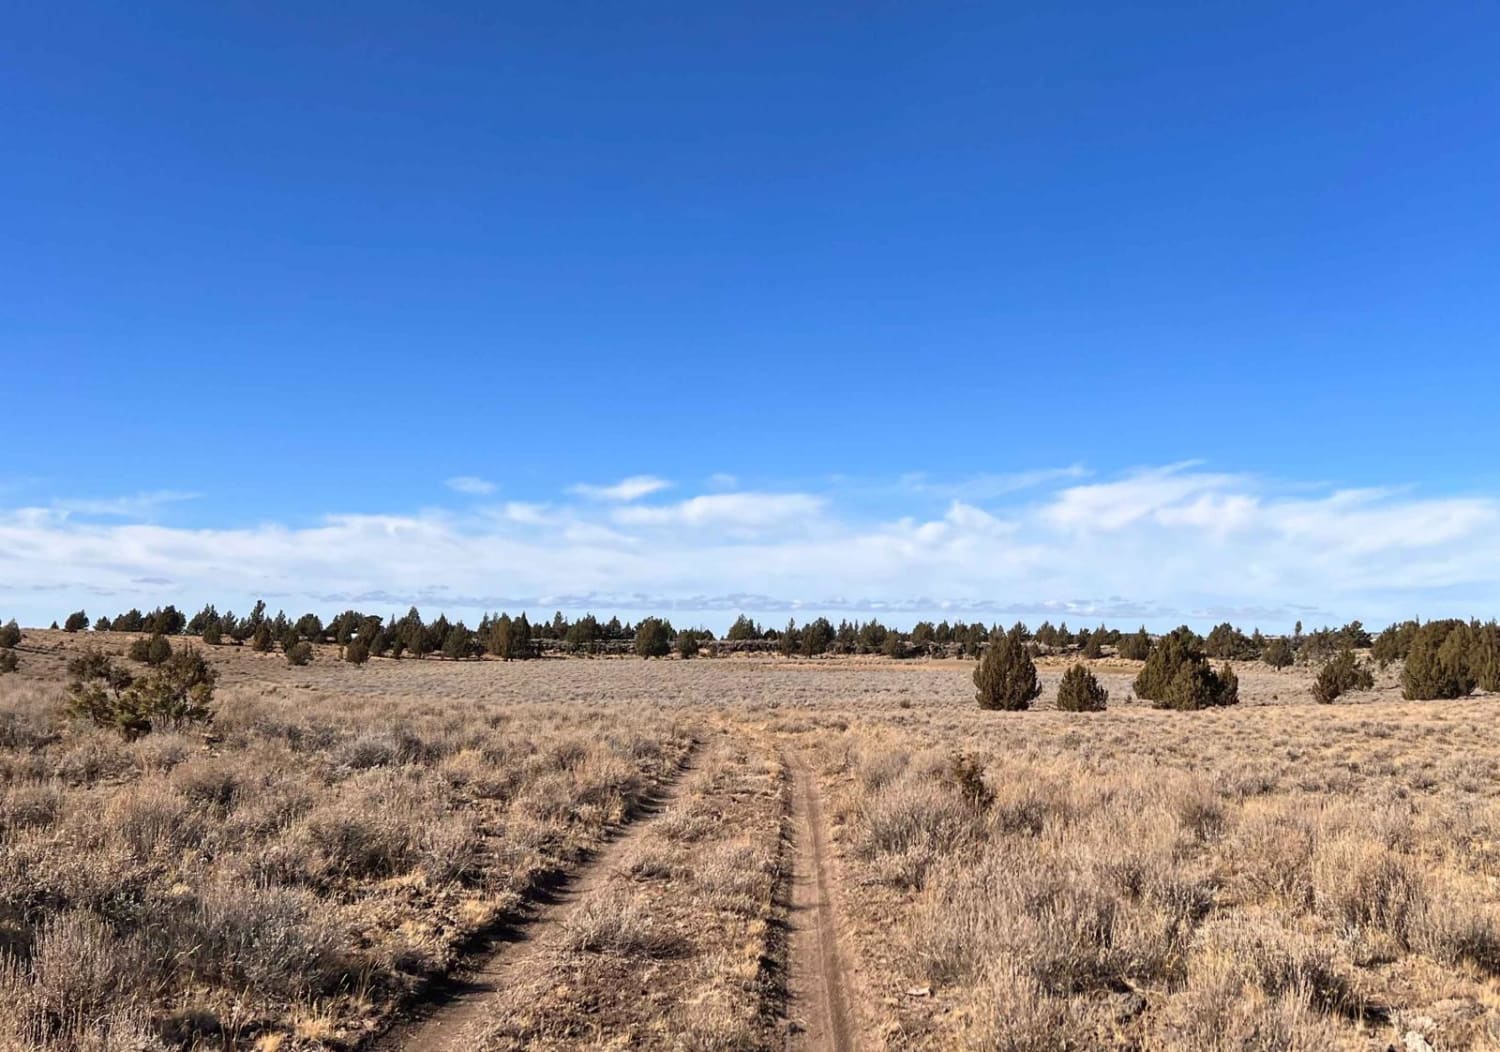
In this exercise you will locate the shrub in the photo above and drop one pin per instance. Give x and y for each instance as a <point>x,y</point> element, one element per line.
<point>8,661</point>
<point>150,650</point>
<point>653,638</point>
<point>1341,675</point>
<point>1484,656</point>
<point>1394,643</point>
<point>76,622</point>
<point>260,639</point>
<point>1080,691</point>
<point>177,692</point>
<point>1136,647</point>
<point>687,644</point>
<point>1176,649</point>
<point>1278,653</point>
<point>357,652</point>
<point>1437,665</point>
<point>1197,686</point>
<point>1006,676</point>
<point>213,634</point>
<point>299,654</point>
<point>10,634</point>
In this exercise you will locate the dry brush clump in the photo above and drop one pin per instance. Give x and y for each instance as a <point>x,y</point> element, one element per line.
<point>1275,877</point>
<point>316,855</point>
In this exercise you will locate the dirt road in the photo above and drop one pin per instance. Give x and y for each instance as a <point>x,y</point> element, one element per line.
<point>457,1011</point>
<point>819,1007</point>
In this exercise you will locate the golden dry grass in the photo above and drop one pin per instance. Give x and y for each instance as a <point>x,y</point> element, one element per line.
<point>1277,875</point>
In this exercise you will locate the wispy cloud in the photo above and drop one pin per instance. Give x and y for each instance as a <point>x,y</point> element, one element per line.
<point>135,506</point>
<point>1158,544</point>
<point>470,485</point>
<point>633,488</point>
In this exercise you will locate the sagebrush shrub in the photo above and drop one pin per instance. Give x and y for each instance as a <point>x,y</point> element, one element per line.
<point>178,691</point>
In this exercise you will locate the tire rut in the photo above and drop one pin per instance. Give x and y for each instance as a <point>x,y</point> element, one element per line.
<point>450,1015</point>
<point>818,992</point>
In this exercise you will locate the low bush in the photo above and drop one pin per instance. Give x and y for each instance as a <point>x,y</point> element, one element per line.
<point>1341,675</point>
<point>1081,691</point>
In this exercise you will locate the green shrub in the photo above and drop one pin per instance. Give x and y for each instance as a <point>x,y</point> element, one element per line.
<point>1484,656</point>
<point>150,650</point>
<point>76,622</point>
<point>10,634</point>
<point>1278,653</point>
<point>1195,685</point>
<point>175,693</point>
<point>687,644</point>
<point>1136,647</point>
<point>213,634</point>
<point>299,654</point>
<point>1437,666</point>
<point>357,652</point>
<point>1006,677</point>
<point>260,639</point>
<point>1080,691</point>
<point>1175,649</point>
<point>653,638</point>
<point>1341,675</point>
<point>8,661</point>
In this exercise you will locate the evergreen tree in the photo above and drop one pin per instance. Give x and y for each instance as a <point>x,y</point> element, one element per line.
<point>1178,676</point>
<point>299,653</point>
<point>817,637</point>
<point>1006,676</point>
<point>687,644</point>
<point>458,645</point>
<point>357,651</point>
<point>10,634</point>
<point>1278,653</point>
<point>1080,691</point>
<point>76,622</point>
<point>1437,665</point>
<point>1136,647</point>
<point>742,630</point>
<point>1339,676</point>
<point>653,638</point>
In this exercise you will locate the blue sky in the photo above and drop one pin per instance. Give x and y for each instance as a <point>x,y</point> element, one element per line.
<point>834,275</point>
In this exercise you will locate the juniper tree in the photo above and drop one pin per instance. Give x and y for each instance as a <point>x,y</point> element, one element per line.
<point>76,622</point>
<point>10,634</point>
<point>1178,676</point>
<point>1278,653</point>
<point>1339,676</point>
<point>1080,691</point>
<point>299,653</point>
<point>1437,665</point>
<point>653,638</point>
<point>687,644</point>
<point>1136,647</point>
<point>357,652</point>
<point>1006,676</point>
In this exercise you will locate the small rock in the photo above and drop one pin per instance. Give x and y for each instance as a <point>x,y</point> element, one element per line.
<point>1415,1042</point>
<point>919,991</point>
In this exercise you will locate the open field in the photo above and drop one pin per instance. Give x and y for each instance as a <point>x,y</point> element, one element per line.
<point>743,853</point>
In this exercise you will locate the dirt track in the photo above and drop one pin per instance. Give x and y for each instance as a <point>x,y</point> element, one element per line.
<point>818,986</point>
<point>453,1017</point>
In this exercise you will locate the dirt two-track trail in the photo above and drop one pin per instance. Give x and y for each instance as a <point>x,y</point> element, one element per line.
<point>818,991</point>
<point>454,1017</point>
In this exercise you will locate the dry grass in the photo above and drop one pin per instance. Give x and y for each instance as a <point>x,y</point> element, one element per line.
<point>673,950</point>
<point>298,872</point>
<point>1280,875</point>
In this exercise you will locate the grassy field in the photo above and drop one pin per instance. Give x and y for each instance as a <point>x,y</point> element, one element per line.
<point>341,842</point>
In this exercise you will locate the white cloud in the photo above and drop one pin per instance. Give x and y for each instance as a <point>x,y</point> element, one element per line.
<point>470,485</point>
<point>1158,544</point>
<point>633,488</point>
<point>135,506</point>
<point>738,510</point>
